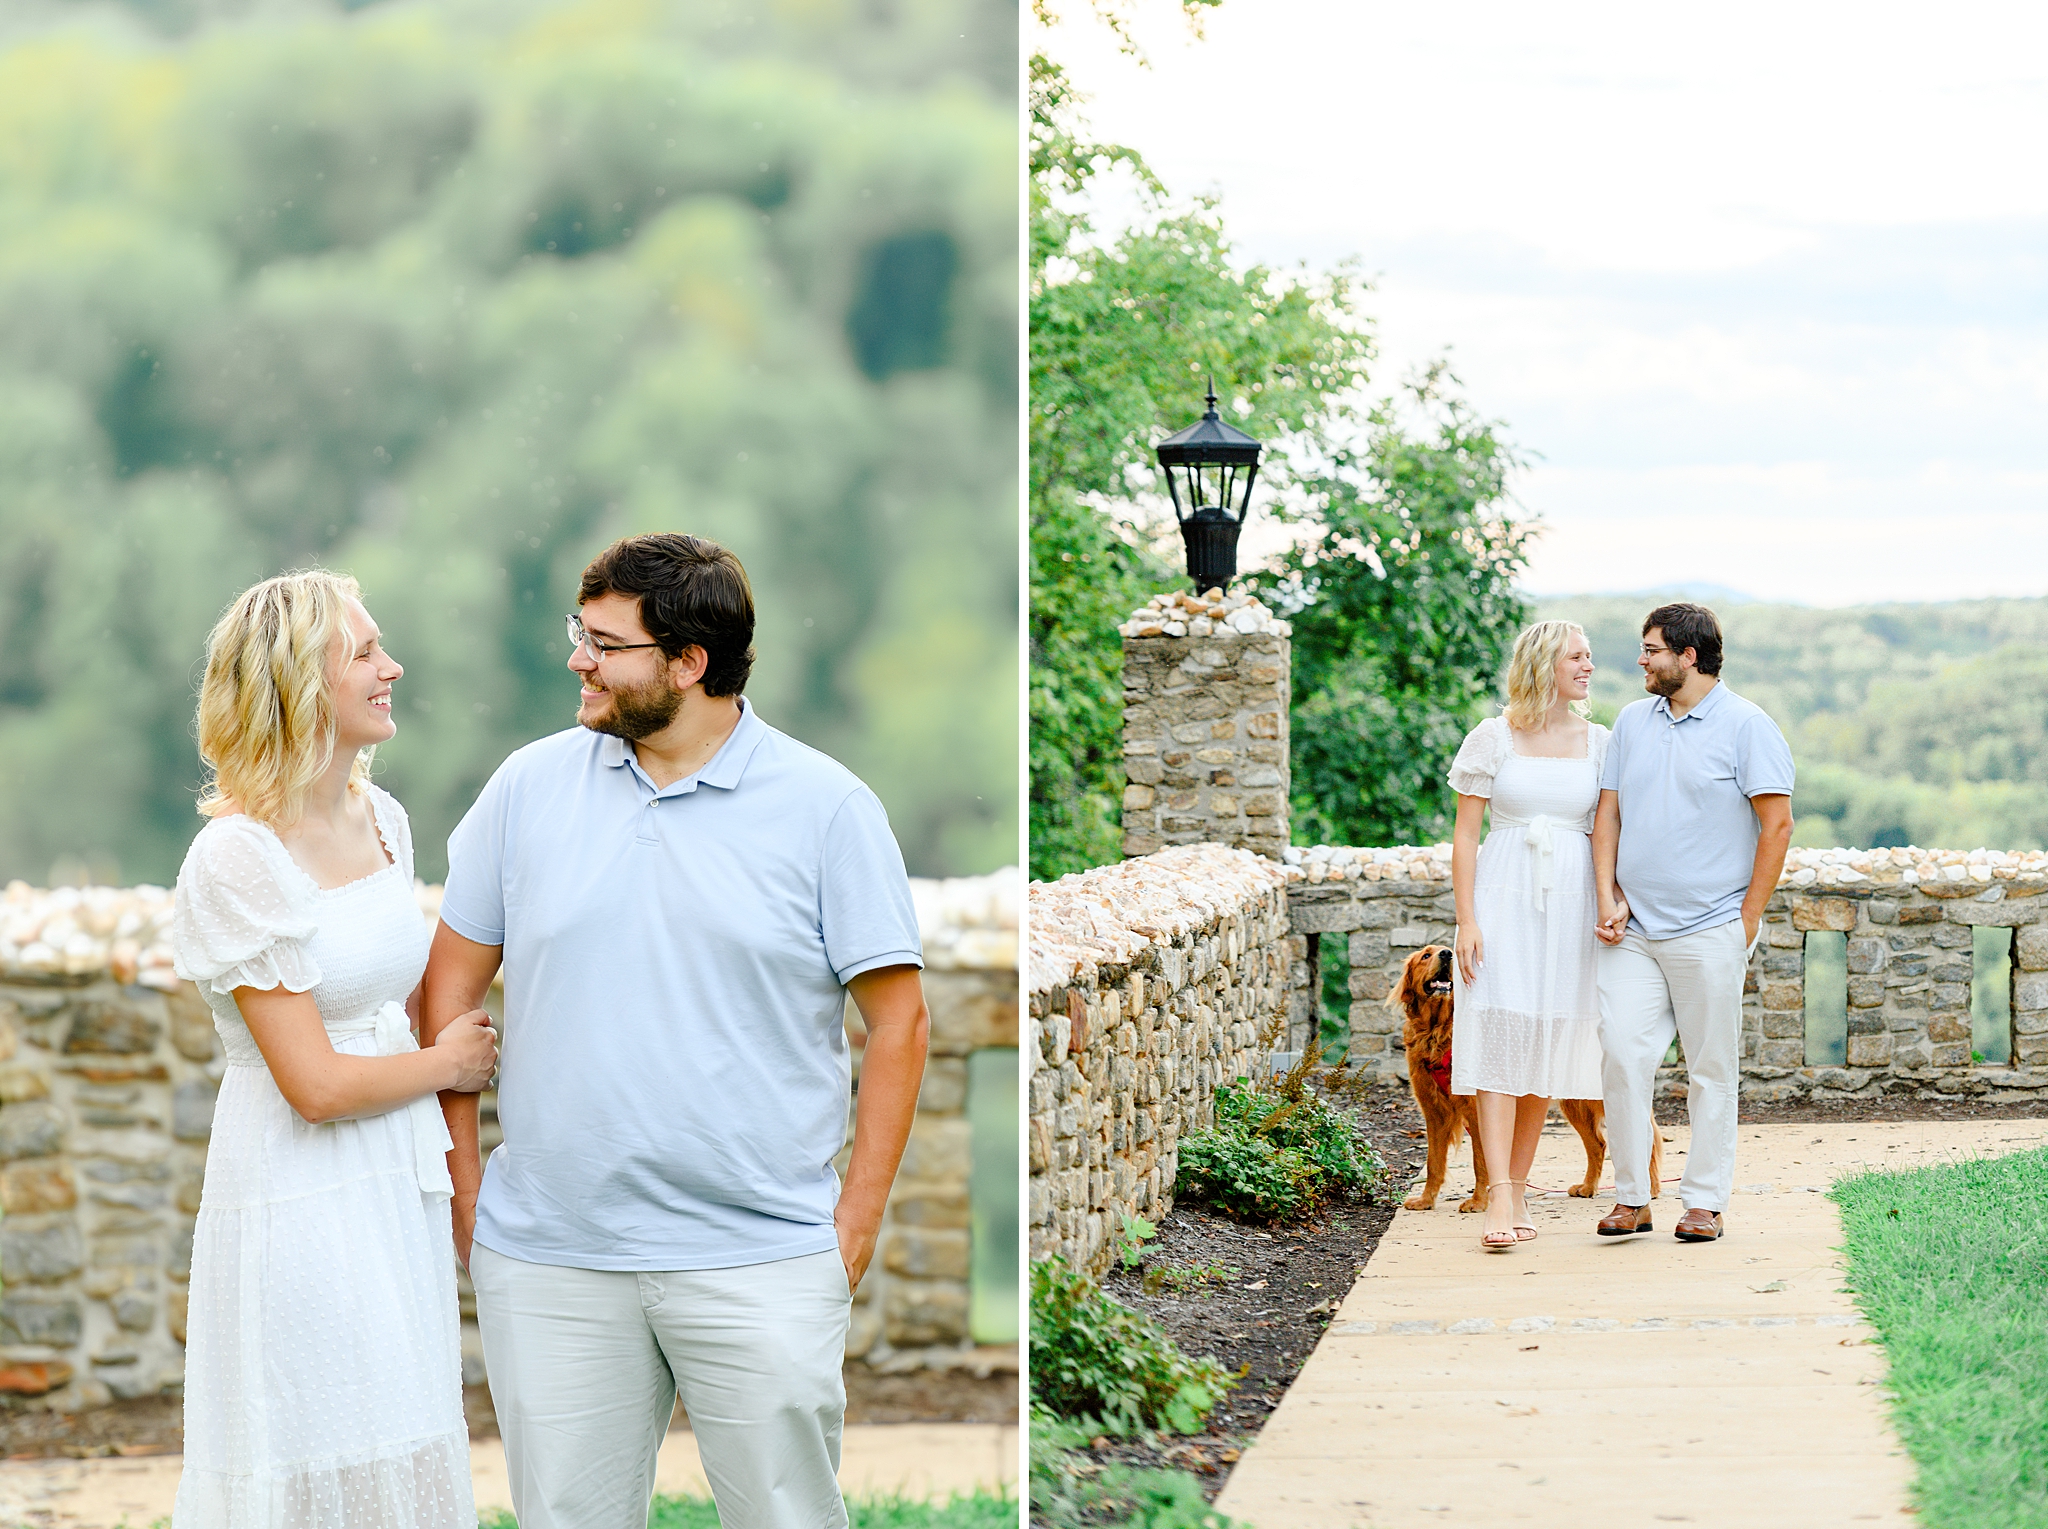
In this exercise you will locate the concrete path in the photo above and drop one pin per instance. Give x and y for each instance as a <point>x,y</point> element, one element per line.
<point>916,1459</point>
<point>1589,1382</point>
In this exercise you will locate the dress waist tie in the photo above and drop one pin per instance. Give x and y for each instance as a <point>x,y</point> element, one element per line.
<point>431,1142</point>
<point>1539,833</point>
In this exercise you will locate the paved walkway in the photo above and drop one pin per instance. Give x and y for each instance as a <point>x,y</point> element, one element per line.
<point>1588,1381</point>
<point>916,1459</point>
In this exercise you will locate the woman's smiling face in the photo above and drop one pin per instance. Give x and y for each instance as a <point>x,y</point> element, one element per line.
<point>362,684</point>
<point>1575,668</point>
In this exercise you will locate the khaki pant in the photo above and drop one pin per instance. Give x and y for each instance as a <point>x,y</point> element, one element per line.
<point>1690,986</point>
<point>586,1366</point>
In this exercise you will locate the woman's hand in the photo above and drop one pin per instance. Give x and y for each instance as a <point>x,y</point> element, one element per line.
<point>473,1044</point>
<point>1471,952</point>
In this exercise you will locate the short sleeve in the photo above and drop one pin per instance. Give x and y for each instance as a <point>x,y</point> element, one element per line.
<point>1597,740</point>
<point>864,903</point>
<point>395,827</point>
<point>239,917</point>
<point>1763,759</point>
<point>1478,760</point>
<point>1610,747</point>
<point>473,901</point>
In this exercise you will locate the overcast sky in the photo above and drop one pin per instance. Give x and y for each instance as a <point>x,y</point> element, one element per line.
<point>1765,287</point>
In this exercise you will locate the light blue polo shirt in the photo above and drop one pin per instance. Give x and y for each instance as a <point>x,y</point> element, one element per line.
<point>673,1082</point>
<point>1688,832</point>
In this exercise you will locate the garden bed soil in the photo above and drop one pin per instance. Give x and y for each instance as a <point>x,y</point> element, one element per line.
<point>1267,1319</point>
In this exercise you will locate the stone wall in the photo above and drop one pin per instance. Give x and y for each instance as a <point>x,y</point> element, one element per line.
<point>1907,915</point>
<point>1205,725</point>
<point>108,1070</point>
<point>912,1309</point>
<point>1150,982</point>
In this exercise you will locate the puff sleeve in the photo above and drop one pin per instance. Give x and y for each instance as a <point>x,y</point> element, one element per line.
<point>1597,748</point>
<point>1478,759</point>
<point>240,918</point>
<point>394,827</point>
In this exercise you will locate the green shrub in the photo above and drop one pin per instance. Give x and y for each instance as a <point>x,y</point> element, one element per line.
<point>1095,1357</point>
<point>1249,1176</point>
<point>1276,1153</point>
<point>1069,1492</point>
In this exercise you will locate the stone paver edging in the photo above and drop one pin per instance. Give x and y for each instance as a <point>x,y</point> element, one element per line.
<point>1589,1381</point>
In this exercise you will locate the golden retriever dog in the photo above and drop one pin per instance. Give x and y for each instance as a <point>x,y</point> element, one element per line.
<point>1424,996</point>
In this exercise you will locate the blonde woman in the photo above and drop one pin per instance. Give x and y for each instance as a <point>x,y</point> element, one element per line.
<point>1526,1015</point>
<point>323,1379</point>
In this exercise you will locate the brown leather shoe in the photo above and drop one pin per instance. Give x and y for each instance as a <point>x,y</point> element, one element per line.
<point>1624,1220</point>
<point>1698,1225</point>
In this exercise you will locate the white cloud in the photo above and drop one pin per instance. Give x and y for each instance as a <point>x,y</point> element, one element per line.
<point>1783,269</point>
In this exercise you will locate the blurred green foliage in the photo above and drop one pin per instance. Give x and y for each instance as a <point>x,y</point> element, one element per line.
<point>1911,724</point>
<point>447,295</point>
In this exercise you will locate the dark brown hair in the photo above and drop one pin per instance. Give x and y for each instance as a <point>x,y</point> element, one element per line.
<point>693,594</point>
<point>1689,626</point>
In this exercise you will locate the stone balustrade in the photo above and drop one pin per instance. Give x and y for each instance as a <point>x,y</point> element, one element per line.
<point>1150,982</point>
<point>1910,966</point>
<point>108,1070</point>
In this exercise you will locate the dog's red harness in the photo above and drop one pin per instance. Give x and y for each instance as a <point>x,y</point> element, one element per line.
<point>1440,1071</point>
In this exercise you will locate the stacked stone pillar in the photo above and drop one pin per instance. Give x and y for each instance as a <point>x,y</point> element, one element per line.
<point>1205,730</point>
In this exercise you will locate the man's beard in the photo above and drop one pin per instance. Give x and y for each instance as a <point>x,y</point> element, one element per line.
<point>639,712</point>
<point>1666,685</point>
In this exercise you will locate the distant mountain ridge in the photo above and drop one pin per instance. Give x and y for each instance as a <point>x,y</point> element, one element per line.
<point>1714,595</point>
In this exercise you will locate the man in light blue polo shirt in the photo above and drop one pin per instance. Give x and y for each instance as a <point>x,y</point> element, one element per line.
<point>681,898</point>
<point>1694,819</point>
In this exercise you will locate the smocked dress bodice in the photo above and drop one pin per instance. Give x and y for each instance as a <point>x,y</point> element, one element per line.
<point>248,916</point>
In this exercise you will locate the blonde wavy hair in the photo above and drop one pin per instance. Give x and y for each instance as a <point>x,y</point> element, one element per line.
<point>1532,673</point>
<point>266,706</point>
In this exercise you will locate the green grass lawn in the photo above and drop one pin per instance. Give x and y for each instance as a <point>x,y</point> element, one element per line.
<point>979,1511</point>
<point>1950,1265</point>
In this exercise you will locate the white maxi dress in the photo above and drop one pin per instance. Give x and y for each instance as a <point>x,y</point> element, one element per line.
<point>323,1366</point>
<point>1529,1023</point>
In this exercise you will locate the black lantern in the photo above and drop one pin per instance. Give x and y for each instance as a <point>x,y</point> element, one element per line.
<point>1209,471</point>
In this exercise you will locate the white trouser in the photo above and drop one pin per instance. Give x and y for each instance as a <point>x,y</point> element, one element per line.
<point>1649,990</point>
<point>586,1364</point>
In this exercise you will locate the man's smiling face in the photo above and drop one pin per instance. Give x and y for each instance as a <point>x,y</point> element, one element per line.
<point>625,694</point>
<point>1663,670</point>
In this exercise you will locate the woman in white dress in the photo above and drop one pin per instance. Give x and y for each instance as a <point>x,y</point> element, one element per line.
<point>323,1370</point>
<point>1526,1016</point>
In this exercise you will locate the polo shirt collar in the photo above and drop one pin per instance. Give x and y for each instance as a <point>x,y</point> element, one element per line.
<point>733,756</point>
<point>725,768</point>
<point>1704,709</point>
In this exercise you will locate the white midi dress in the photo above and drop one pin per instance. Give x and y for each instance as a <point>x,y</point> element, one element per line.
<point>323,1366</point>
<point>1529,1023</point>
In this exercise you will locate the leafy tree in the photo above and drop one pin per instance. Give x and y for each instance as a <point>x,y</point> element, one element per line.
<point>1125,331</point>
<point>1402,587</point>
<point>1404,613</point>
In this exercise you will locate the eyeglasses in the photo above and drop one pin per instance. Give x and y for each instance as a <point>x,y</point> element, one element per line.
<point>578,638</point>
<point>1650,652</point>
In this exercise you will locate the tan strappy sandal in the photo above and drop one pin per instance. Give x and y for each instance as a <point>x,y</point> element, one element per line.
<point>1525,1229</point>
<point>1501,1239</point>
